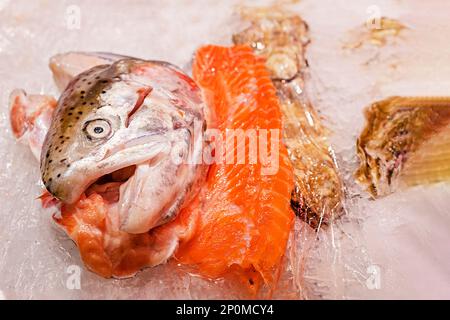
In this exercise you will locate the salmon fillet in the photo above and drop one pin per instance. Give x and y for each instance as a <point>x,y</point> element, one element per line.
<point>282,37</point>
<point>245,217</point>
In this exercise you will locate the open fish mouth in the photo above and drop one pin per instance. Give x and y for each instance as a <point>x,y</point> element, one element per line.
<point>140,180</point>
<point>108,185</point>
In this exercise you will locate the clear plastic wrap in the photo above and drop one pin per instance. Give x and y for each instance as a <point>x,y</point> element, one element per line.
<point>395,247</point>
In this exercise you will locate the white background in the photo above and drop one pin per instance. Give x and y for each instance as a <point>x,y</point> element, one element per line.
<point>405,235</point>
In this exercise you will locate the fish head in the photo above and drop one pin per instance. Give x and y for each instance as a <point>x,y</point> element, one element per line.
<point>115,116</point>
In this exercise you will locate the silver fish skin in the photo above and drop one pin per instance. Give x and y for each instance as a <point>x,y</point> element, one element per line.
<point>133,112</point>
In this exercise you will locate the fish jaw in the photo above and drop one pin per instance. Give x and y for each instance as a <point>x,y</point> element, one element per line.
<point>146,201</point>
<point>159,189</point>
<point>74,181</point>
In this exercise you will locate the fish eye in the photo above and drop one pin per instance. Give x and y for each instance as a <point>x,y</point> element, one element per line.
<point>97,129</point>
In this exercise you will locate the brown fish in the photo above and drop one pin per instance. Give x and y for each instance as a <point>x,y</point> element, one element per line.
<point>281,38</point>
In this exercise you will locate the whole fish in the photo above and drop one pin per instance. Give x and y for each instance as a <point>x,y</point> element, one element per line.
<point>122,155</point>
<point>281,38</point>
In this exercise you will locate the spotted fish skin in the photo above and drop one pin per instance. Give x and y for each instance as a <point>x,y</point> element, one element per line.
<point>79,99</point>
<point>130,112</point>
